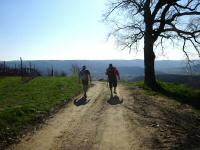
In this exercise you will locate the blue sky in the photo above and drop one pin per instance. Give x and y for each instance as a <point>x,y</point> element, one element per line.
<point>57,29</point>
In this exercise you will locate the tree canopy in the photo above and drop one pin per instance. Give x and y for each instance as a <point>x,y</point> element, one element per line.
<point>174,20</point>
<point>154,22</point>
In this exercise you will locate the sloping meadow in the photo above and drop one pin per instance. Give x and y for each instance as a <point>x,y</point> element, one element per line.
<point>24,103</point>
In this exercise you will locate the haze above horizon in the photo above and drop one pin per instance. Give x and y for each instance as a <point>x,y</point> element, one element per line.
<point>61,30</point>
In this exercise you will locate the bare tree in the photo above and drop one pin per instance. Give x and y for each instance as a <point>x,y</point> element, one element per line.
<point>4,67</point>
<point>30,67</point>
<point>21,66</point>
<point>153,22</point>
<point>52,71</point>
<point>63,73</point>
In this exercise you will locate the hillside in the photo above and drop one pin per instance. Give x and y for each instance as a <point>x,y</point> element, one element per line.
<point>129,69</point>
<point>24,104</point>
<point>190,80</point>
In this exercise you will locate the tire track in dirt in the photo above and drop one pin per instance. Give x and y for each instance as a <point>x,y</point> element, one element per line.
<point>54,128</point>
<point>100,124</point>
<point>81,134</point>
<point>95,125</point>
<point>139,133</point>
<point>101,127</point>
<point>130,120</point>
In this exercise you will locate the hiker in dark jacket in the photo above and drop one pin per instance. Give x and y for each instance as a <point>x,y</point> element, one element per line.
<point>84,76</point>
<point>112,74</point>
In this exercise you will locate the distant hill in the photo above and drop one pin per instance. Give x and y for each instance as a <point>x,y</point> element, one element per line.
<point>128,72</point>
<point>190,80</point>
<point>179,67</point>
<point>164,64</point>
<point>129,69</point>
<point>196,69</point>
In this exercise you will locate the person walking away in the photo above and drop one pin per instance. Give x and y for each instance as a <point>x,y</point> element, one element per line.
<point>85,77</point>
<point>112,74</point>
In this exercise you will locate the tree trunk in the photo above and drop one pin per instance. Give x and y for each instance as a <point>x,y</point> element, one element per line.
<point>149,56</point>
<point>149,59</point>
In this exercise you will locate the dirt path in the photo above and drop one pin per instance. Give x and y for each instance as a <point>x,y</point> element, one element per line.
<point>130,120</point>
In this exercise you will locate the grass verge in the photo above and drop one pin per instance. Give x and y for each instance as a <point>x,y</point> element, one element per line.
<point>22,104</point>
<point>182,93</point>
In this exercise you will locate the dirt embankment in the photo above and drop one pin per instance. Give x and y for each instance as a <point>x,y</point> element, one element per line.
<point>128,121</point>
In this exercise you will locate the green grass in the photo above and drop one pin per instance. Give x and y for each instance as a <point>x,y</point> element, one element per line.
<point>21,104</point>
<point>182,93</point>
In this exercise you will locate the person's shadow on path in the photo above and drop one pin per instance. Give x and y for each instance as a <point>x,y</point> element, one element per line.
<point>114,100</point>
<point>81,101</point>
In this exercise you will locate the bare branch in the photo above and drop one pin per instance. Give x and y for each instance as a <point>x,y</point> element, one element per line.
<point>186,7</point>
<point>161,19</point>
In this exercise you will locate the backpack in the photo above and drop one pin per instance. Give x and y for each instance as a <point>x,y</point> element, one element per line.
<point>83,75</point>
<point>111,72</point>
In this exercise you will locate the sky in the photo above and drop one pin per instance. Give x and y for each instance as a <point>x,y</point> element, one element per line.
<point>60,30</point>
